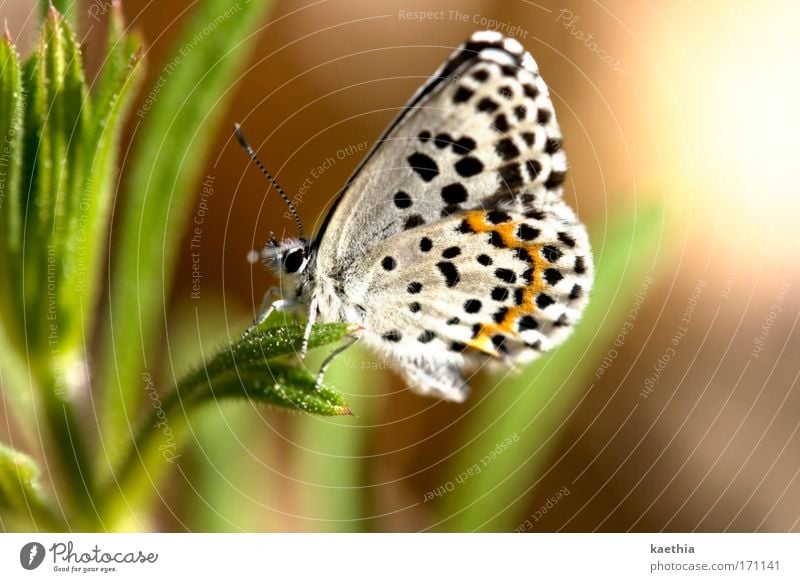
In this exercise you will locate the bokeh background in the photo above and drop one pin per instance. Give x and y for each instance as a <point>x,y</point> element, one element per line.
<point>681,414</point>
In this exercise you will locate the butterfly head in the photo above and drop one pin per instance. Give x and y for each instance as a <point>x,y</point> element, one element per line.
<point>288,257</point>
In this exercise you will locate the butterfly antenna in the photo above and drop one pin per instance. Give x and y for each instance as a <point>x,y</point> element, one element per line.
<point>243,141</point>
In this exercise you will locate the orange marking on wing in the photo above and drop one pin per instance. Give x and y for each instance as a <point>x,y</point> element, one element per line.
<point>477,222</point>
<point>482,343</point>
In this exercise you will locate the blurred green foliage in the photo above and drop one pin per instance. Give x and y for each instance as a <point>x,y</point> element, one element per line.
<point>59,169</point>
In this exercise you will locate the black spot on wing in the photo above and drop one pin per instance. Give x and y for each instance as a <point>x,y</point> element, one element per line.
<point>528,137</point>
<point>500,293</point>
<point>464,227</point>
<point>464,146</point>
<point>500,123</point>
<point>505,92</point>
<point>534,168</point>
<point>426,336</point>
<point>552,276</point>
<point>554,180</point>
<point>450,273</point>
<point>462,94</point>
<point>543,116</point>
<point>392,336</point>
<point>402,199</point>
<point>523,255</point>
<point>497,216</point>
<point>443,140</point>
<point>480,75</point>
<point>566,239</point>
<point>500,315</point>
<point>562,321</point>
<point>527,323</point>
<point>468,166</point>
<point>451,252</point>
<point>506,275</point>
<point>552,145</point>
<point>487,105</point>
<point>472,306</point>
<point>496,240</point>
<point>525,232</point>
<point>551,253</point>
<point>423,165</point>
<point>510,177</point>
<point>413,221</point>
<point>454,193</point>
<point>506,149</point>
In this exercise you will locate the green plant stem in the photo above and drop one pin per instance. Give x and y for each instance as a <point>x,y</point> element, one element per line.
<point>141,466</point>
<point>71,449</point>
<point>162,183</point>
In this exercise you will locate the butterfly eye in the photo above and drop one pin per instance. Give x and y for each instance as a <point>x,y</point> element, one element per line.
<point>293,261</point>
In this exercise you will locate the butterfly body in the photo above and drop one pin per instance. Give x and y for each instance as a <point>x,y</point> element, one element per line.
<point>451,245</point>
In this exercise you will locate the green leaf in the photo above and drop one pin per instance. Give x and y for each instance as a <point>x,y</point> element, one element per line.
<point>11,132</point>
<point>57,115</point>
<point>34,181</point>
<point>254,369</point>
<point>87,229</point>
<point>11,112</point>
<point>20,495</point>
<point>56,120</point>
<point>247,369</point>
<point>177,121</point>
<point>530,407</point>
<point>276,384</point>
<point>66,7</point>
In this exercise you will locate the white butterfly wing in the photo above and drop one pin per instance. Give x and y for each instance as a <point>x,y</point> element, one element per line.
<point>483,127</point>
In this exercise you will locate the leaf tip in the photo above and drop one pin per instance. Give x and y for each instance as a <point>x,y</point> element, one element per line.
<point>117,17</point>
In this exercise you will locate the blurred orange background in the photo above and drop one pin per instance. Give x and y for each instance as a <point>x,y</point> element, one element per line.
<point>691,105</point>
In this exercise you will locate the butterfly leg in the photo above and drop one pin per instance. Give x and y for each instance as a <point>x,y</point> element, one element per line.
<point>324,367</point>
<point>312,318</point>
<point>268,305</point>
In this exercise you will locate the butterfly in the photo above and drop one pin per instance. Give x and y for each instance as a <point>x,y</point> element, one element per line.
<point>451,245</point>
